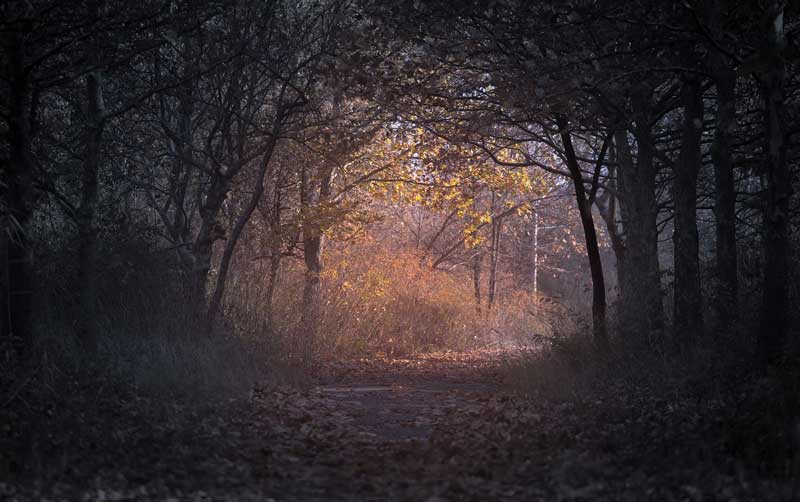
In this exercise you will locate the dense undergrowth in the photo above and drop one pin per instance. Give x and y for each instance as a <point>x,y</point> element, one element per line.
<point>379,300</point>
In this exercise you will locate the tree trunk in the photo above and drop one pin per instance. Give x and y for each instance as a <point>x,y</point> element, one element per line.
<point>312,287</point>
<point>590,234</point>
<point>494,255</point>
<point>725,190</point>
<point>203,246</point>
<point>536,257</point>
<point>607,207</point>
<point>238,227</point>
<point>608,213</point>
<point>16,188</point>
<point>641,309</point>
<point>774,307</point>
<point>85,219</point>
<point>197,253</point>
<point>315,193</point>
<point>688,317</point>
<point>87,209</point>
<point>477,260</point>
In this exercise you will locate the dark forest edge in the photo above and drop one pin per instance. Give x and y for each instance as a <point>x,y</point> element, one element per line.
<point>202,198</point>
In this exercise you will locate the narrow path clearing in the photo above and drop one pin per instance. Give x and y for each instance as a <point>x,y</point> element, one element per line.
<point>444,427</point>
<point>436,428</point>
<point>383,429</point>
<point>403,399</point>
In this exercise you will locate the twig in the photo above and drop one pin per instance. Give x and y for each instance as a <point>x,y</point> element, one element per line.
<point>15,393</point>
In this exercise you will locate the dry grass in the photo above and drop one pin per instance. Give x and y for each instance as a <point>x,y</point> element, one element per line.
<point>393,302</point>
<point>379,300</point>
<point>373,300</point>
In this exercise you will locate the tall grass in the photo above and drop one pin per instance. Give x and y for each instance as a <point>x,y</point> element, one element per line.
<point>150,338</point>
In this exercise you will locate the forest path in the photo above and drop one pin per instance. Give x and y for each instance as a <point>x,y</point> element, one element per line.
<point>446,427</point>
<point>400,429</point>
<point>402,399</point>
<point>434,428</point>
<point>430,428</point>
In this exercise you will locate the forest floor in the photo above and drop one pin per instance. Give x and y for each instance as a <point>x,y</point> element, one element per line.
<point>441,427</point>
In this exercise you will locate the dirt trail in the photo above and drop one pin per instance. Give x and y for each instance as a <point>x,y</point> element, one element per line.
<point>434,429</point>
<point>379,430</point>
<point>445,427</point>
<point>402,399</point>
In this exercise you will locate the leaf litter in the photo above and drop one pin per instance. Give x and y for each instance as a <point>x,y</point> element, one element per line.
<point>439,427</point>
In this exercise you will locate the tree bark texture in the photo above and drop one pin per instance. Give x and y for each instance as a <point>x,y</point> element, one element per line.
<point>642,311</point>
<point>727,289</point>
<point>688,316</point>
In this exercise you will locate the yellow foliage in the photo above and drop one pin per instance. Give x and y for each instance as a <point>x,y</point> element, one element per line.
<point>426,170</point>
